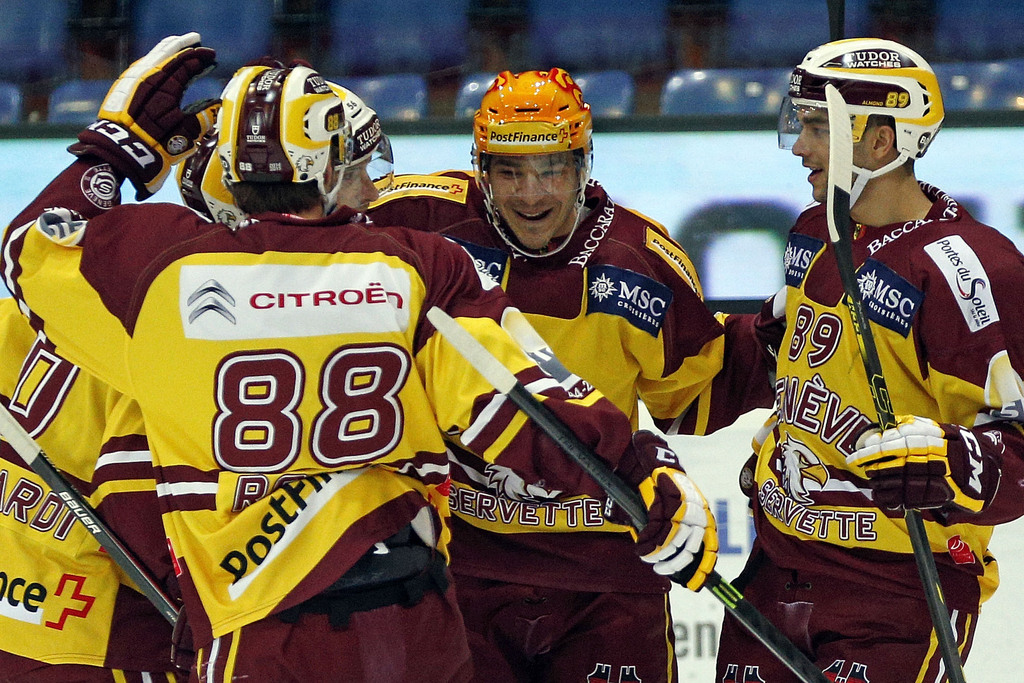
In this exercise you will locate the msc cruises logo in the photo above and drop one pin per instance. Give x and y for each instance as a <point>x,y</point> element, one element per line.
<point>639,299</point>
<point>211,297</point>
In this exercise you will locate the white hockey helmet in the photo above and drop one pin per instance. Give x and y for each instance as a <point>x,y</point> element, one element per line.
<point>368,139</point>
<point>201,183</point>
<point>875,77</point>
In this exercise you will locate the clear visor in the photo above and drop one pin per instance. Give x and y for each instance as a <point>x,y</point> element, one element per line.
<point>792,117</point>
<point>532,174</point>
<point>381,167</point>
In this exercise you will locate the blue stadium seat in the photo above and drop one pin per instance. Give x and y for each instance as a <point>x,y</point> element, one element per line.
<point>598,34</point>
<point>473,87</point>
<point>1006,86</point>
<point>724,91</point>
<point>412,36</point>
<point>981,85</point>
<point>77,101</point>
<point>33,35</point>
<point>395,97</point>
<point>781,32</point>
<point>10,103</point>
<point>240,30</point>
<point>609,93</point>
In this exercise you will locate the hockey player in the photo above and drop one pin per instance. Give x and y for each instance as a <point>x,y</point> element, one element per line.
<point>832,563</point>
<point>548,593</point>
<point>294,394</point>
<point>69,615</point>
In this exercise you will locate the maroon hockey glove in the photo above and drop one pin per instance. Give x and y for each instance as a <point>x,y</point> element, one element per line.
<point>142,130</point>
<point>922,464</point>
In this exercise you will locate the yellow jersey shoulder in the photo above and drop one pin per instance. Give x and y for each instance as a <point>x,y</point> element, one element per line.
<point>658,241</point>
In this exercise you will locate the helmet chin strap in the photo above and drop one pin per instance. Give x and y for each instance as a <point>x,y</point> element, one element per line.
<point>863,175</point>
<point>501,226</point>
<point>329,197</point>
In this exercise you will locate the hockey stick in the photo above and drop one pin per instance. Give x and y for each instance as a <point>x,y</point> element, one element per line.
<point>621,493</point>
<point>33,455</point>
<point>840,179</point>
<point>836,19</point>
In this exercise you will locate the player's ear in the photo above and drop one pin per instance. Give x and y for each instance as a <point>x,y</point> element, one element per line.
<point>883,139</point>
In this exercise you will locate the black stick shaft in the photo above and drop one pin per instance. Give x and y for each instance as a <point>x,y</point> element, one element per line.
<point>30,451</point>
<point>838,201</point>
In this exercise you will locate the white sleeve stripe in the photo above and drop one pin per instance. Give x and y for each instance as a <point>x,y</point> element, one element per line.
<point>483,419</point>
<point>186,488</point>
<point>123,458</point>
<point>15,236</point>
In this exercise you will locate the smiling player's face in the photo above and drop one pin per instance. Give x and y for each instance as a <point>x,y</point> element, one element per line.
<point>535,194</point>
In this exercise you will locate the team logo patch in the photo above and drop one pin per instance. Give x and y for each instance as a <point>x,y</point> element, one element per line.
<point>967,279</point>
<point>890,300</point>
<point>488,261</point>
<point>639,299</point>
<point>99,186</point>
<point>798,466</point>
<point>177,145</point>
<point>960,551</point>
<point>800,251</point>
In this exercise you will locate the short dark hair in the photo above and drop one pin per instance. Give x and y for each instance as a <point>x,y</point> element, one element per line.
<point>254,198</point>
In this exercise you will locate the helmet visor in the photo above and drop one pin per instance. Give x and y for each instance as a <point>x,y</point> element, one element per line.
<point>381,167</point>
<point>528,175</point>
<point>794,117</point>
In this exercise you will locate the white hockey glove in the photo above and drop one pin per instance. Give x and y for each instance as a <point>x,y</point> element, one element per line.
<point>681,538</point>
<point>142,130</point>
<point>921,464</point>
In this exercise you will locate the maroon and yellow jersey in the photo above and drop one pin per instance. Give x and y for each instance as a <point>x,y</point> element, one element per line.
<point>621,306</point>
<point>942,297</point>
<point>294,393</point>
<point>64,599</point>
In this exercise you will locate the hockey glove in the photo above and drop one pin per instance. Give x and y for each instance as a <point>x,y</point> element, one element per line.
<point>922,464</point>
<point>142,130</point>
<point>681,535</point>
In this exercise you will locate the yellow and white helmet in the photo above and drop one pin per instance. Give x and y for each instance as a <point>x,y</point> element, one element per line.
<point>533,112</point>
<point>874,76</point>
<point>282,125</point>
<point>201,177</point>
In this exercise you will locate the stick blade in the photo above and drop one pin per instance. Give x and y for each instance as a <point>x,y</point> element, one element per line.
<point>840,164</point>
<point>472,350</point>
